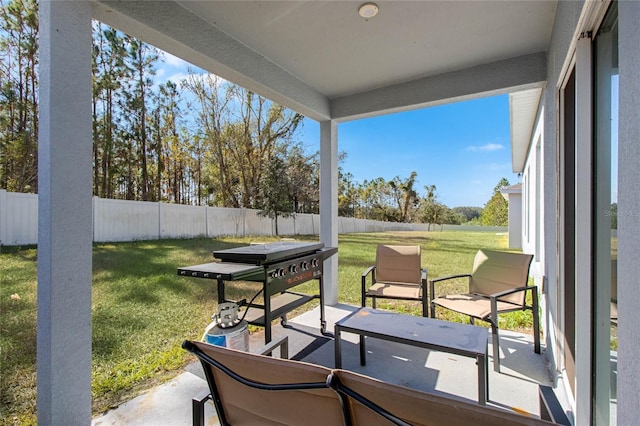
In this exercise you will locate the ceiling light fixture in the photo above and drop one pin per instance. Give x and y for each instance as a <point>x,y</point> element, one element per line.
<point>368,10</point>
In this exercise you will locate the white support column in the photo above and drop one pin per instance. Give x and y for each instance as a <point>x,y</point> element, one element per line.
<point>329,205</point>
<point>628,214</point>
<point>584,241</point>
<point>64,215</point>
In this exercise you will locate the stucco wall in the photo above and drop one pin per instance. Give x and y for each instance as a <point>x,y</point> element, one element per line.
<point>566,22</point>
<point>567,16</point>
<point>629,214</point>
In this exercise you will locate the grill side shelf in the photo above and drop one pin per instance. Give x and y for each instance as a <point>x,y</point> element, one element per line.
<point>224,271</point>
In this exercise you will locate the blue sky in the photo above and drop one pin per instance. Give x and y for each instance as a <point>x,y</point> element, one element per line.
<point>462,148</point>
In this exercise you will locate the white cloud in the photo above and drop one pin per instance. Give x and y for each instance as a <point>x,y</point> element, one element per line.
<point>177,77</point>
<point>174,61</point>
<point>163,75</point>
<point>486,147</point>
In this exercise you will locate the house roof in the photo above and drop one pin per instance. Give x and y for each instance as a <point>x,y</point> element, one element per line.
<point>322,59</point>
<point>511,189</point>
<point>523,107</point>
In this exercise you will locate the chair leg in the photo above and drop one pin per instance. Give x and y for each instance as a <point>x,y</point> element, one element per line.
<point>197,408</point>
<point>536,321</point>
<point>363,292</point>
<point>496,346</point>
<point>373,302</point>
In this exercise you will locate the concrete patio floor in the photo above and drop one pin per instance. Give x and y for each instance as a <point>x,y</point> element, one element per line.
<point>514,388</point>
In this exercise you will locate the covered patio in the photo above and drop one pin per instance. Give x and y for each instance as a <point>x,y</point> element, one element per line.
<point>514,389</point>
<point>329,63</point>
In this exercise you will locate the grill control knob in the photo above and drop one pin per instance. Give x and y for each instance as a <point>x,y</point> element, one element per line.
<point>282,272</point>
<point>293,269</point>
<point>304,265</point>
<point>314,262</point>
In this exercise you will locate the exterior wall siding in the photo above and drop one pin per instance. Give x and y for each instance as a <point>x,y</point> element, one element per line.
<point>629,214</point>
<point>565,24</point>
<point>562,44</point>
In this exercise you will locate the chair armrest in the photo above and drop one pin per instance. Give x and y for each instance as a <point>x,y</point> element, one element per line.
<point>493,298</point>
<point>449,277</point>
<point>369,271</point>
<point>424,276</point>
<point>511,291</point>
<point>432,293</point>
<point>281,342</point>
<point>333,381</point>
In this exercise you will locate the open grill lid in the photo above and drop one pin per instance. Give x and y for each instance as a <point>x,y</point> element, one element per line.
<point>259,254</point>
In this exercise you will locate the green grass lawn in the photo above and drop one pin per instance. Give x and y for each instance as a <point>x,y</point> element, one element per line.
<point>142,310</point>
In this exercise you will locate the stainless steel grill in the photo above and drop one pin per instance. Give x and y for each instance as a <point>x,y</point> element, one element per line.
<point>279,267</point>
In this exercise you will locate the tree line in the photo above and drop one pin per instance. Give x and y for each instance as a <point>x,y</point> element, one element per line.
<point>198,141</point>
<point>398,200</point>
<point>201,140</point>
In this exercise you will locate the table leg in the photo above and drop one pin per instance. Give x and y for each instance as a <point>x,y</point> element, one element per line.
<point>483,379</point>
<point>337,348</point>
<point>363,351</point>
<point>220,291</point>
<point>267,314</point>
<point>323,321</point>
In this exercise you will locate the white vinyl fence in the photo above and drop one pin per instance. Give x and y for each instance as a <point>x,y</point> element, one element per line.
<point>121,220</point>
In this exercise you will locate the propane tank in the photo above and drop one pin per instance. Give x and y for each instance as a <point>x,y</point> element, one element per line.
<point>226,329</point>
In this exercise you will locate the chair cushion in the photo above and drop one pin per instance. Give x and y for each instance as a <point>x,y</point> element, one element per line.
<point>395,291</point>
<point>471,304</point>
<point>398,264</point>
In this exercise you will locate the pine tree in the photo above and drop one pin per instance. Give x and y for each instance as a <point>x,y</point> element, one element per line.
<point>496,211</point>
<point>19,96</point>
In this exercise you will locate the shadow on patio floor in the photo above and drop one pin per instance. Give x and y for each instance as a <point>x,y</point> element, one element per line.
<point>437,372</point>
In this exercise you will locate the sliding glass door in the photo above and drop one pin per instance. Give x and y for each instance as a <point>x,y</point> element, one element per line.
<point>605,214</point>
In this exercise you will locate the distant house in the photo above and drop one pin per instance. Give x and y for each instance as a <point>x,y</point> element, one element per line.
<point>513,195</point>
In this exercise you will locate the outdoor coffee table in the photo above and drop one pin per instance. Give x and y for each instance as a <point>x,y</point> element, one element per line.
<point>460,339</point>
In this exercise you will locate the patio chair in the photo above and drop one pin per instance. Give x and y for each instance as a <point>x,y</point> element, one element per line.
<point>397,274</point>
<point>497,284</point>
<point>251,389</point>
<point>374,402</point>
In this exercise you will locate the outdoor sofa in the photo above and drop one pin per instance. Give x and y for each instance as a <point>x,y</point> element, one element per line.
<point>254,389</point>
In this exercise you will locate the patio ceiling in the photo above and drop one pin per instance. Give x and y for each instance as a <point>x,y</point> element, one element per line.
<point>323,60</point>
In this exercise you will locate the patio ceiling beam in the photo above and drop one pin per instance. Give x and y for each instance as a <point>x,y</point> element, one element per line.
<point>511,75</point>
<point>174,29</point>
